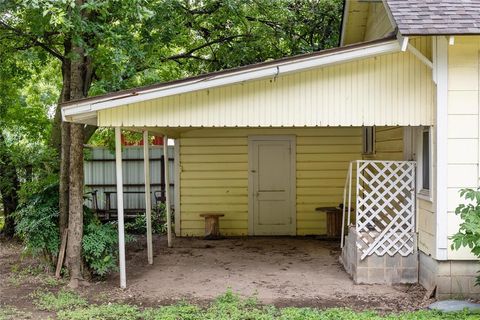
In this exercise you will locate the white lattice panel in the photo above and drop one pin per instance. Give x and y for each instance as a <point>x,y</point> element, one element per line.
<point>385,207</point>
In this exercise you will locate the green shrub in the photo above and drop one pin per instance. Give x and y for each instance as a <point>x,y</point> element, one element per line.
<point>469,233</point>
<point>63,300</point>
<point>100,244</point>
<point>37,223</point>
<point>159,225</point>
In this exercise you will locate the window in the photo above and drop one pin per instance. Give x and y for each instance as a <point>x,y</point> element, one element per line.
<point>426,159</point>
<point>368,140</point>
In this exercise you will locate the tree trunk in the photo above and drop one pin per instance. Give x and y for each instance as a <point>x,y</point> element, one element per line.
<point>80,80</point>
<point>64,177</point>
<point>9,186</point>
<point>75,219</point>
<point>61,139</point>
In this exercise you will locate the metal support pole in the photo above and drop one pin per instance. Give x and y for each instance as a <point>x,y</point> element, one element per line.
<point>148,198</point>
<point>121,225</point>
<point>167,191</point>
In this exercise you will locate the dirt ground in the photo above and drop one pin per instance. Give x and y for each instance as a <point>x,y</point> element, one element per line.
<point>283,271</point>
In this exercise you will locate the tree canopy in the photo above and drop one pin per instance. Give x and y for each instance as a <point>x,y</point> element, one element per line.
<point>52,51</point>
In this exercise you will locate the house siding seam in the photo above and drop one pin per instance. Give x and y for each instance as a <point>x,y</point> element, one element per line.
<point>390,89</point>
<point>214,173</point>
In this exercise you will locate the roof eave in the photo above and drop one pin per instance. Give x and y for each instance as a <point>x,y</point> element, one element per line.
<point>84,111</point>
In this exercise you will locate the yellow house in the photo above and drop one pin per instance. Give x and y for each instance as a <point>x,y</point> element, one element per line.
<point>267,144</point>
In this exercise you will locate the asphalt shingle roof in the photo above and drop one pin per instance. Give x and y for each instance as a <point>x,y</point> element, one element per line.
<point>440,17</point>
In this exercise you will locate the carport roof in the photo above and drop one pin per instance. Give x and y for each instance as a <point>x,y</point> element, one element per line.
<point>85,110</point>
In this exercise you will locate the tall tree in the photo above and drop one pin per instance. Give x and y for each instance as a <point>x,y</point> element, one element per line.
<point>108,45</point>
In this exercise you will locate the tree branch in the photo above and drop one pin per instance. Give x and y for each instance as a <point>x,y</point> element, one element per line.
<point>189,53</point>
<point>34,41</point>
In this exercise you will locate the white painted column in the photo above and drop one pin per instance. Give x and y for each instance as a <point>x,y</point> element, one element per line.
<point>167,191</point>
<point>148,198</point>
<point>440,186</point>
<point>177,170</point>
<point>121,225</point>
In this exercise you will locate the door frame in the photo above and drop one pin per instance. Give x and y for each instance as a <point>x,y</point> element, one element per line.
<point>293,179</point>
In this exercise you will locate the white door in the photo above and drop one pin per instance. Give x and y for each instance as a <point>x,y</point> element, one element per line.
<point>272,186</point>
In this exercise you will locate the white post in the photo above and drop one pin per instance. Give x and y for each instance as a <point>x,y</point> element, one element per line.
<point>121,227</point>
<point>167,190</point>
<point>148,198</point>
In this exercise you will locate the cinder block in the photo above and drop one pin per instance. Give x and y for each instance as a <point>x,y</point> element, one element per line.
<point>473,288</point>
<point>464,268</point>
<point>444,285</point>
<point>393,262</point>
<point>460,285</point>
<point>375,261</point>
<point>376,275</point>
<point>443,268</point>
<point>361,276</point>
<point>409,275</point>
<point>410,261</point>
<point>393,275</point>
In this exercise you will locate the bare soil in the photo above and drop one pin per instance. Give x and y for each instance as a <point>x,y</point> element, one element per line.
<point>283,271</point>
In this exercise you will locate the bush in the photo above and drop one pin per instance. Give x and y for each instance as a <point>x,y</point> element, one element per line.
<point>37,223</point>
<point>469,233</point>
<point>37,226</point>
<point>159,225</point>
<point>100,244</point>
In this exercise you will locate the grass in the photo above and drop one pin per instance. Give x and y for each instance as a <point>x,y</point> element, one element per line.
<point>10,313</point>
<point>63,300</point>
<point>70,306</point>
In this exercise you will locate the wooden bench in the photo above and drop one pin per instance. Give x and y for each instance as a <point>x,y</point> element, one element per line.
<point>212,225</point>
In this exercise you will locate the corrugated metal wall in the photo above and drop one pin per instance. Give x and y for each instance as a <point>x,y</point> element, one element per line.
<point>100,175</point>
<point>388,90</point>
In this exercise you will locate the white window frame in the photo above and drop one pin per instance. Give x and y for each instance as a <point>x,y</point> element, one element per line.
<point>425,194</point>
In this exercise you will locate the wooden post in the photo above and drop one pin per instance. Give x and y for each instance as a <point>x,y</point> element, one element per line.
<point>148,199</point>
<point>121,225</point>
<point>167,191</point>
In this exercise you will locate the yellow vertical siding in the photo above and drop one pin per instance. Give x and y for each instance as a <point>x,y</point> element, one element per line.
<point>378,23</point>
<point>463,127</point>
<point>392,89</point>
<point>214,174</point>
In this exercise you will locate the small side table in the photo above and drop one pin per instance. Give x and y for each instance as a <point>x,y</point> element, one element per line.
<point>334,221</point>
<point>212,225</point>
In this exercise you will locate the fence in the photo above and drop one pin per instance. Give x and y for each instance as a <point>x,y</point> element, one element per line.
<point>99,168</point>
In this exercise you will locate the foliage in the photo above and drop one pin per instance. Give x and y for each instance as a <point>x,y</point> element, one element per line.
<point>63,300</point>
<point>232,307</point>
<point>37,223</point>
<point>100,244</point>
<point>469,233</point>
<point>159,224</point>
<point>10,313</point>
<point>37,226</point>
<point>103,312</point>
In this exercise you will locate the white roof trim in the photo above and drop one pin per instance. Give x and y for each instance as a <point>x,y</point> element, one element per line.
<point>84,110</point>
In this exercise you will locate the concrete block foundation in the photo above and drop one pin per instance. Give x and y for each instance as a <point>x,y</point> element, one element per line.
<point>375,269</point>
<point>452,278</point>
